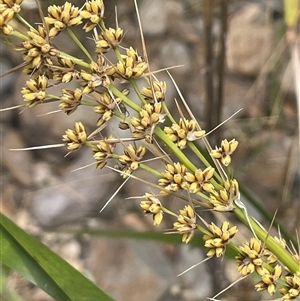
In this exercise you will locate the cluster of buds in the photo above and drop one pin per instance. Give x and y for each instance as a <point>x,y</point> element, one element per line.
<point>186,223</point>
<point>218,237</point>
<point>35,91</point>
<point>110,38</point>
<point>75,138</point>
<point>183,132</point>
<point>225,151</point>
<point>130,66</point>
<point>156,93</point>
<point>152,205</point>
<point>104,151</point>
<point>131,158</point>
<point>61,17</point>
<point>8,9</point>
<point>255,257</point>
<point>149,116</point>
<point>150,130</point>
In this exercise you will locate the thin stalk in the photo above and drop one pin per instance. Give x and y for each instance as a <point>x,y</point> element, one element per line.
<point>258,205</point>
<point>19,35</point>
<point>164,209</point>
<point>151,170</point>
<point>55,97</point>
<point>24,21</point>
<point>177,152</point>
<point>118,54</point>
<point>74,59</point>
<point>87,103</point>
<point>126,100</point>
<point>166,110</point>
<point>137,90</point>
<point>79,44</point>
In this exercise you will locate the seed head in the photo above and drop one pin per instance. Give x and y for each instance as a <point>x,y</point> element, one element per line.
<point>225,151</point>
<point>269,280</point>
<point>105,107</point>
<point>38,52</point>
<point>144,124</point>
<point>174,177</point>
<point>250,258</point>
<point>186,223</point>
<point>153,206</point>
<point>75,138</point>
<point>93,12</point>
<point>159,88</point>
<point>35,91</point>
<point>70,100</point>
<point>6,15</point>
<point>218,238</point>
<point>223,200</point>
<point>183,132</point>
<point>131,66</point>
<point>66,71</point>
<point>199,180</point>
<point>13,5</point>
<point>61,17</point>
<point>291,290</point>
<point>103,151</point>
<point>132,156</point>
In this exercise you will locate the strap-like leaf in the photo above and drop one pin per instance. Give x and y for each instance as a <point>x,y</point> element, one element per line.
<point>36,262</point>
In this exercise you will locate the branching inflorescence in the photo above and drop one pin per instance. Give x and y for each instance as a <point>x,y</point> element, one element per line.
<point>151,129</point>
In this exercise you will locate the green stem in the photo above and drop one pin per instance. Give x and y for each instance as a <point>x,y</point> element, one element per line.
<point>137,90</point>
<point>52,97</point>
<point>118,54</point>
<point>166,110</point>
<point>19,35</point>
<point>178,153</point>
<point>79,44</point>
<point>164,209</point>
<point>203,230</point>
<point>87,103</point>
<point>151,170</point>
<point>126,100</point>
<point>74,59</point>
<point>282,254</point>
<point>24,21</point>
<point>102,25</point>
<point>257,204</point>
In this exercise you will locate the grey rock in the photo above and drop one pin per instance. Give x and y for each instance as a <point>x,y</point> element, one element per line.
<point>153,22</point>
<point>175,53</point>
<point>18,163</point>
<point>250,41</point>
<point>76,195</point>
<point>6,82</point>
<point>192,286</point>
<point>130,270</point>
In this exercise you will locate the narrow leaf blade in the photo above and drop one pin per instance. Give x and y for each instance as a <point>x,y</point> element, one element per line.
<point>36,262</point>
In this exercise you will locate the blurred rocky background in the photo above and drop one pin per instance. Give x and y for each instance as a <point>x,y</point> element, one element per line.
<point>42,194</point>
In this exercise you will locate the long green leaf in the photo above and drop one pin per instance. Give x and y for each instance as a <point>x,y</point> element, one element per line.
<point>196,242</point>
<point>36,262</point>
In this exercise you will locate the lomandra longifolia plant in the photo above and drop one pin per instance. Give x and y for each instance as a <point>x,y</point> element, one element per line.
<point>151,130</point>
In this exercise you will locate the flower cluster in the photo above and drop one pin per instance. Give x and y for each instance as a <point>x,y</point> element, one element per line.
<point>255,257</point>
<point>218,237</point>
<point>8,9</point>
<point>100,83</point>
